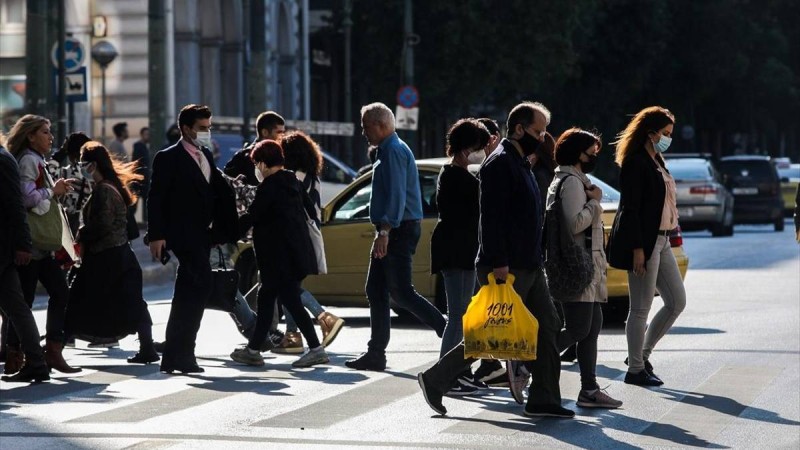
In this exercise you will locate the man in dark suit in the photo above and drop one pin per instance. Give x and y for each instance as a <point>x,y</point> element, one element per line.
<point>141,154</point>
<point>269,125</point>
<point>16,249</point>
<point>190,209</point>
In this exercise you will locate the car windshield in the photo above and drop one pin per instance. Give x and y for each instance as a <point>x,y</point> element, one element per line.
<point>790,172</point>
<point>761,170</point>
<point>610,195</point>
<point>688,171</point>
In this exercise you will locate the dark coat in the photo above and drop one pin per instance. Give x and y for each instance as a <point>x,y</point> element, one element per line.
<point>241,164</point>
<point>639,215</point>
<point>454,244</point>
<point>280,231</point>
<point>14,232</point>
<point>142,155</point>
<point>181,204</point>
<point>511,211</point>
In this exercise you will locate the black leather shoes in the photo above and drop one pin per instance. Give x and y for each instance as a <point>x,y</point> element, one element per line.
<point>29,374</point>
<point>182,367</point>
<point>642,378</point>
<point>368,361</point>
<point>144,356</point>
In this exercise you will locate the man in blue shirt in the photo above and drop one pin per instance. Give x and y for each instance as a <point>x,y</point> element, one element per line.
<point>395,208</point>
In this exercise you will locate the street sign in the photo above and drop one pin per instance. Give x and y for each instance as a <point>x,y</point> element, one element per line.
<point>406,118</point>
<point>75,54</point>
<point>408,96</point>
<point>76,85</point>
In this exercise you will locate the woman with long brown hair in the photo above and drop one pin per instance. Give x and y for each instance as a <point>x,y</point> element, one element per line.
<point>106,294</point>
<point>30,142</point>
<point>639,240</point>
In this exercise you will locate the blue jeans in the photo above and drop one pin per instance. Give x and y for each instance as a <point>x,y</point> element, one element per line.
<point>391,275</point>
<point>459,285</point>
<point>310,303</point>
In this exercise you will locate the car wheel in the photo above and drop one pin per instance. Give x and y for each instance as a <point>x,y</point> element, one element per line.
<point>248,277</point>
<point>779,224</point>
<point>718,230</point>
<point>728,230</point>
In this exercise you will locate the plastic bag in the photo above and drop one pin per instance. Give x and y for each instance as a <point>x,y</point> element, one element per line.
<point>497,325</point>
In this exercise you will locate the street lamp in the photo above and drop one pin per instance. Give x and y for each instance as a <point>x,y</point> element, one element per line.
<point>103,53</point>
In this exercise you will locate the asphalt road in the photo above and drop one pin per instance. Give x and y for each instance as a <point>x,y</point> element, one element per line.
<point>731,367</point>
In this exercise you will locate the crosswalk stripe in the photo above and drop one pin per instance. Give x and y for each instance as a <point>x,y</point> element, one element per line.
<point>701,415</point>
<point>155,407</point>
<point>349,404</point>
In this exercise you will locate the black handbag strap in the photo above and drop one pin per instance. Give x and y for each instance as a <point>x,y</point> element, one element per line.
<point>221,262</point>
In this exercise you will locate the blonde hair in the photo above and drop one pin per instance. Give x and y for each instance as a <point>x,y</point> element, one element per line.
<point>25,126</point>
<point>633,138</point>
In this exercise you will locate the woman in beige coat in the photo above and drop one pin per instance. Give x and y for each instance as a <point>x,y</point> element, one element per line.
<point>576,154</point>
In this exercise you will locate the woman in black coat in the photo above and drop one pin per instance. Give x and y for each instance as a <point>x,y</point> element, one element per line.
<point>639,240</point>
<point>284,252</point>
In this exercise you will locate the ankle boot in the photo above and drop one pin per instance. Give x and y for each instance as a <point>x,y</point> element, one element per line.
<point>147,354</point>
<point>29,374</point>
<point>54,359</point>
<point>15,360</point>
<point>330,326</point>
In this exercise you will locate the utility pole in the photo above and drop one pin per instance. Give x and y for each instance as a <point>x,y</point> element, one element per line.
<point>347,24</point>
<point>157,73</point>
<point>37,60</point>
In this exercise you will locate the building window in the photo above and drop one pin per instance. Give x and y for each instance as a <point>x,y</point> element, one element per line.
<point>12,11</point>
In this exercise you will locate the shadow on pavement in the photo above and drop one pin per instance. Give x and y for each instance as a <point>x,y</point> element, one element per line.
<point>725,405</point>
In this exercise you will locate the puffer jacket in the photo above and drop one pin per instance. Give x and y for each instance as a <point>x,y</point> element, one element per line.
<point>581,213</point>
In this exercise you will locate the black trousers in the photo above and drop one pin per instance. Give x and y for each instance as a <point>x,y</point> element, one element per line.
<point>545,370</point>
<point>192,289</point>
<point>583,323</point>
<point>17,311</point>
<point>288,292</point>
<point>46,271</point>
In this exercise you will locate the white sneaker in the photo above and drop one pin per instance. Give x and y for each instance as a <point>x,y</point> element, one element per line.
<point>518,377</point>
<point>312,358</point>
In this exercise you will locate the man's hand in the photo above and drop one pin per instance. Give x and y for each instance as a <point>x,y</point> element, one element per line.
<point>639,266</point>
<point>22,258</point>
<point>500,274</point>
<point>156,247</point>
<point>379,246</point>
<point>594,193</point>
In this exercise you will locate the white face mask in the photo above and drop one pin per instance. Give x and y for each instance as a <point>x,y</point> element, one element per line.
<point>204,138</point>
<point>259,175</point>
<point>476,157</point>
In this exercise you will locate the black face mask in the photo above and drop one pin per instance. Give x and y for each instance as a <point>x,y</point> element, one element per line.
<point>588,166</point>
<point>528,143</point>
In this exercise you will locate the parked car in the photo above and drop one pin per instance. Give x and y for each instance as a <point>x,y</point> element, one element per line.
<point>335,176</point>
<point>754,183</point>
<point>348,237</point>
<point>790,178</point>
<point>703,200</point>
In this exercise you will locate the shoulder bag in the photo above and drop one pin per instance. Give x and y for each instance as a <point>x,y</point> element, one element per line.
<point>568,266</point>
<point>224,287</point>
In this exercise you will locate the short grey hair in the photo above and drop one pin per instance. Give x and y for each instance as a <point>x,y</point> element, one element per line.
<point>378,113</point>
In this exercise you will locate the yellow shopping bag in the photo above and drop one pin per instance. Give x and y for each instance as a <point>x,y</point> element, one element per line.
<point>497,325</point>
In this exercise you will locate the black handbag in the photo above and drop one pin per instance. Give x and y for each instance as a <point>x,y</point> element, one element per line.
<point>224,287</point>
<point>568,266</point>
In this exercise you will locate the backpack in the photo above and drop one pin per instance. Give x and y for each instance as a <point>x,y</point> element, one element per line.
<point>568,266</point>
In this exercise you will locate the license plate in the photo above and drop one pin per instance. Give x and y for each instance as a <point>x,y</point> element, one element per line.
<point>745,191</point>
<point>685,212</point>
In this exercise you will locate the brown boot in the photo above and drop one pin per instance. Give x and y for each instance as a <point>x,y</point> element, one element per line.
<point>330,325</point>
<point>292,343</point>
<point>15,359</point>
<point>54,359</point>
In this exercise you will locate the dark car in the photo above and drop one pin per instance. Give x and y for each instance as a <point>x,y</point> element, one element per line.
<point>703,200</point>
<point>756,188</point>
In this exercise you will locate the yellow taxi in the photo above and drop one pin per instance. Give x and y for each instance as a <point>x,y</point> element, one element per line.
<point>348,236</point>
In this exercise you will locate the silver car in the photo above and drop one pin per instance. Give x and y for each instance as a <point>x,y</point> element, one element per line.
<point>703,201</point>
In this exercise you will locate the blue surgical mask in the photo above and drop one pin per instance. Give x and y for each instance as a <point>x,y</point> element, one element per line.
<point>85,172</point>
<point>663,143</point>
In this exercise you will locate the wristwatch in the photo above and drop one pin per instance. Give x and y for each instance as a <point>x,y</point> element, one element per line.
<point>383,233</point>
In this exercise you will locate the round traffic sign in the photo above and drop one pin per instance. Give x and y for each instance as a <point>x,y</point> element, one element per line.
<point>408,96</point>
<point>74,54</point>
